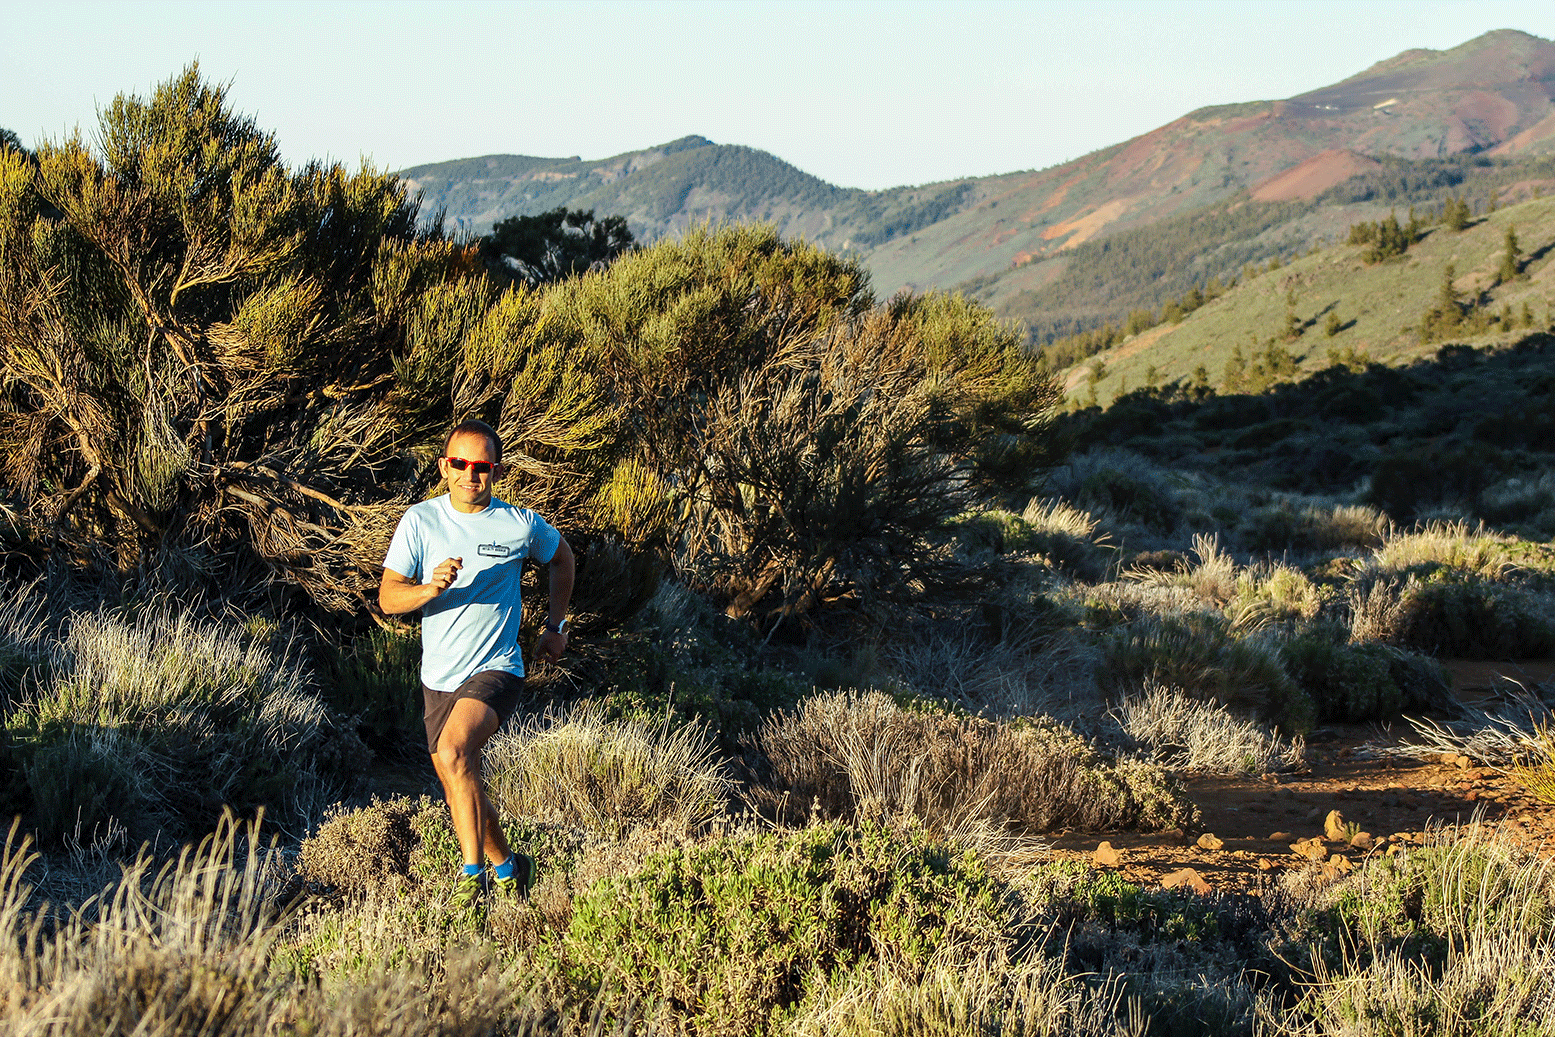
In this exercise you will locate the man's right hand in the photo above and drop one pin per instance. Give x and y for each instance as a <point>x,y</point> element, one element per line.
<point>445,574</point>
<point>398,593</point>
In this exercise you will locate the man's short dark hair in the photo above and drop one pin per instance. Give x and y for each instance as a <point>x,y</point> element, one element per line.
<point>475,427</point>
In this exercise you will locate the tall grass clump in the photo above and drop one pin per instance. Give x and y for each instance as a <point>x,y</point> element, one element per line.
<point>1213,580</point>
<point>607,776</point>
<point>154,724</point>
<point>859,754</point>
<point>1284,526</point>
<point>1454,938</point>
<point>1188,734</point>
<point>1450,545</point>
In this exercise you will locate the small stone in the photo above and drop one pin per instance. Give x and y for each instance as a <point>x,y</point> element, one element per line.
<point>1333,827</point>
<point>1281,837</point>
<point>1209,841</point>
<point>1187,878</point>
<point>1362,841</point>
<point>1470,796</point>
<point>1393,850</point>
<point>1341,862</point>
<point>1463,762</point>
<point>1264,864</point>
<point>1312,849</point>
<point>1107,857</point>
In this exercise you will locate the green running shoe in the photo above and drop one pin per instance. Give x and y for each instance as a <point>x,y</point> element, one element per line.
<point>466,892</point>
<point>522,881</point>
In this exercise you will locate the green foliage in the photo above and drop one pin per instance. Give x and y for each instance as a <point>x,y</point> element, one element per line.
<point>1386,238</point>
<point>1456,214</point>
<point>1350,683</point>
<point>374,681</point>
<point>732,935</point>
<point>1199,653</point>
<point>553,245</point>
<point>1511,267</point>
<point>1448,612</point>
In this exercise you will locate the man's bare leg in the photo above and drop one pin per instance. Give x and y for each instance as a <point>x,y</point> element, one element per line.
<point>458,765</point>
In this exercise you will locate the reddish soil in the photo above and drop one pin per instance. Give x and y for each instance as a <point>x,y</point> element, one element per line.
<point>1259,820</point>
<point>1314,176</point>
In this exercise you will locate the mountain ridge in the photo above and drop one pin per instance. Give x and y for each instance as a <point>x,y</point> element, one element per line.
<point>1002,235</point>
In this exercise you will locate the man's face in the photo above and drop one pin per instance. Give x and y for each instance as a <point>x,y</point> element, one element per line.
<point>469,491</point>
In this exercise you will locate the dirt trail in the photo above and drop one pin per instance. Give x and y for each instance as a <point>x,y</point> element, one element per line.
<point>1258,820</point>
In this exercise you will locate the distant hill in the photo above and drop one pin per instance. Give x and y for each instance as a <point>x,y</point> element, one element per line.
<point>1010,239</point>
<point>1378,308</point>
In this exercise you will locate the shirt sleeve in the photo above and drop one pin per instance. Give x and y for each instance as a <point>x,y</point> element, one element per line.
<point>405,549</point>
<point>543,539</point>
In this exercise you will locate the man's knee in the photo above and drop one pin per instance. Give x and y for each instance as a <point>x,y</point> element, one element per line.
<point>459,755</point>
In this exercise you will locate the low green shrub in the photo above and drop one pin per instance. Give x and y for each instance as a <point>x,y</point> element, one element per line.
<point>373,681</point>
<point>1447,612</point>
<point>1277,595</point>
<point>1351,683</point>
<point>1200,653</point>
<point>728,937</point>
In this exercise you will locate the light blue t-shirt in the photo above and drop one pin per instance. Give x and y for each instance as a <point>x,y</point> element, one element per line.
<point>473,625</point>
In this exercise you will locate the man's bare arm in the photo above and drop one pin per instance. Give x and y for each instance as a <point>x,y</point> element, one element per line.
<point>563,568</point>
<point>398,593</point>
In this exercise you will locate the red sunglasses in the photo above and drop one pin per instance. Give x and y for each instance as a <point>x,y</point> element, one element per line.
<point>459,464</point>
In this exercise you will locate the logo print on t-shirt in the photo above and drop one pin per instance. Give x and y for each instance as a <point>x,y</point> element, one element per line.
<point>494,550</point>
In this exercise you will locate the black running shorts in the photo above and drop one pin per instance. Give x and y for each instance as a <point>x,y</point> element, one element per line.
<point>497,688</point>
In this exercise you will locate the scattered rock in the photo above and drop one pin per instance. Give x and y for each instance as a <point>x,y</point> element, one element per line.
<point>1333,827</point>
<point>1281,837</point>
<point>1312,849</point>
<point>1362,841</point>
<point>1107,857</point>
<point>1470,796</point>
<point>1186,878</point>
<point>1394,849</point>
<point>1209,841</point>
<point>1341,862</point>
<point>1463,762</point>
<point>1264,864</point>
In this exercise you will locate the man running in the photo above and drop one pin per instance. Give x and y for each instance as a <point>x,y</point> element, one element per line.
<point>459,558</point>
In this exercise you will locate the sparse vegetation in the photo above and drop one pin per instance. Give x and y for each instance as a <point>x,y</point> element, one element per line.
<point>861,620</point>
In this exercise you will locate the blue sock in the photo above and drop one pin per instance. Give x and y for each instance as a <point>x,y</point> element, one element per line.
<point>472,869</point>
<point>505,869</point>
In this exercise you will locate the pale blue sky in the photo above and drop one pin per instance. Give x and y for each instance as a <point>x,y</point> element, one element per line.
<point>862,94</point>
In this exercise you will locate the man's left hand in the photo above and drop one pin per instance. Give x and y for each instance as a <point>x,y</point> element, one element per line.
<point>550,647</point>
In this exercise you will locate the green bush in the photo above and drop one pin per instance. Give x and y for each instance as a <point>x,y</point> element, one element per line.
<point>1351,683</point>
<point>1449,612</point>
<point>374,682</point>
<point>1199,653</point>
<point>729,937</point>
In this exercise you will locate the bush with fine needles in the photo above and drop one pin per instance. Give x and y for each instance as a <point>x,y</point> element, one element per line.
<point>1201,654</point>
<point>860,754</point>
<point>607,776</point>
<point>154,723</point>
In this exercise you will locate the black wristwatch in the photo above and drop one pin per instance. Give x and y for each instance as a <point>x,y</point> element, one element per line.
<point>560,628</point>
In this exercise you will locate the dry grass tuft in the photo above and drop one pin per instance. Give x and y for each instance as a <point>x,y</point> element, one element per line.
<point>1213,580</point>
<point>1450,544</point>
<point>857,754</point>
<point>607,776</point>
<point>1188,734</point>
